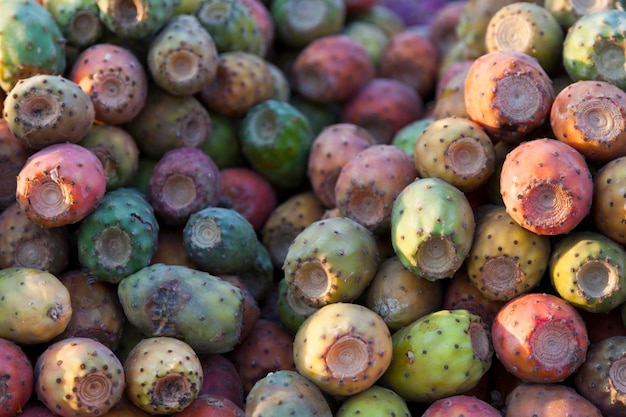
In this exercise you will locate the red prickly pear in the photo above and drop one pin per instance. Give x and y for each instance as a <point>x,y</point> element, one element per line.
<point>16,378</point>
<point>331,69</point>
<point>461,405</point>
<point>221,378</point>
<point>546,186</point>
<point>540,338</point>
<point>115,80</point>
<point>60,184</point>
<point>79,376</point>
<point>545,400</point>
<point>213,406</point>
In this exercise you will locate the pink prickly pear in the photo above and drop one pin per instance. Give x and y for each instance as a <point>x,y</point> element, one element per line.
<point>16,378</point>
<point>221,378</point>
<point>461,405</point>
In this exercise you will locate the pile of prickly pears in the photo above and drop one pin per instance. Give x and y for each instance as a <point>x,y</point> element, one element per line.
<point>269,208</point>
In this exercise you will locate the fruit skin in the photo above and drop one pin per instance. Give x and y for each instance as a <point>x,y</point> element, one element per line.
<point>573,113</point>
<point>383,106</point>
<point>184,181</point>
<point>176,301</point>
<point>16,378</point>
<point>430,211</point>
<point>79,376</point>
<point>331,69</point>
<point>609,188</point>
<point>344,348</point>
<point>223,143</point>
<point>286,393</point>
<point>144,17</point>
<point>211,405</point>
<point>291,310</point>
<point>114,78</point>
<point>24,243</point>
<point>461,405</point>
<point>69,112</point>
<point>78,20</point>
<point>330,150</point>
<point>167,385</point>
<point>505,259</point>
<point>275,140</point>
<point>182,57</point>
<point>587,269</point>
<point>267,348</point>
<point>258,277</point>
<point>298,22</point>
<point>220,240</point>
<point>13,156</point>
<point>167,122</point>
<point>528,322</point>
<point>374,401</point>
<point>221,378</point>
<point>119,237</point>
<point>25,23</point>
<point>331,260</point>
<point>539,399</point>
<point>72,178</point>
<point>370,182</point>
<point>588,40</point>
<point>546,186</point>
<point>440,354</point>
<point>599,379</point>
<point>406,137</point>
<point>232,26</point>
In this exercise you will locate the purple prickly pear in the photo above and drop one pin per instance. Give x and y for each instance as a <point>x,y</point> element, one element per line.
<point>331,260</point>
<point>344,348</point>
<point>221,378</point>
<point>60,184</point>
<point>182,58</point>
<point>31,42</point>
<point>163,375</point>
<point>443,353</point>
<point>44,109</point>
<point>79,376</point>
<point>16,378</point>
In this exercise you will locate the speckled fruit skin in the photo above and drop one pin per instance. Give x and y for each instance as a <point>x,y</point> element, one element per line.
<point>461,405</point>
<point>344,348</point>
<point>211,405</point>
<point>372,402</point>
<point>139,20</point>
<point>70,172</point>
<point>79,376</point>
<point>609,186</point>
<point>16,378</point>
<point>540,338</point>
<point>546,186</point>
<point>440,354</point>
<point>541,400</point>
<point>13,156</point>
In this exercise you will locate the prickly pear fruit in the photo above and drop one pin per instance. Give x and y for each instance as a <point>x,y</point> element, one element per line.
<point>600,377</point>
<point>168,384</point>
<point>182,58</point>
<point>344,348</point>
<point>591,45</point>
<point>543,400</point>
<point>37,305</point>
<point>137,19</point>
<point>13,156</point>
<point>31,42</point>
<point>286,393</point>
<point>373,402</point>
<point>609,185</point>
<point>16,378</point>
<point>211,405</point>
<point>365,191</point>
<point>331,260</point>
<point>176,301</point>
<point>540,338</point>
<point>457,150</point>
<point>299,22</point>
<point>291,309</point>
<point>45,109</point>
<point>567,12</point>
<point>220,240</point>
<point>461,405</point>
<point>438,355</point>
<point>79,376</point>
<point>432,228</point>
<point>506,260</point>
<point>221,378</point>
<point>78,20</point>
<point>587,269</point>
<point>546,186</point>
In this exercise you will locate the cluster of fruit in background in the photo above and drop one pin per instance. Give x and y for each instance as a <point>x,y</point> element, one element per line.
<point>312,207</point>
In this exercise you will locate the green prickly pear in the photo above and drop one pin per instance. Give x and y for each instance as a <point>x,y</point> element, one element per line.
<point>119,237</point>
<point>78,20</point>
<point>135,19</point>
<point>374,402</point>
<point>176,301</point>
<point>440,354</point>
<point>344,348</point>
<point>432,228</point>
<point>31,42</point>
<point>331,260</point>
